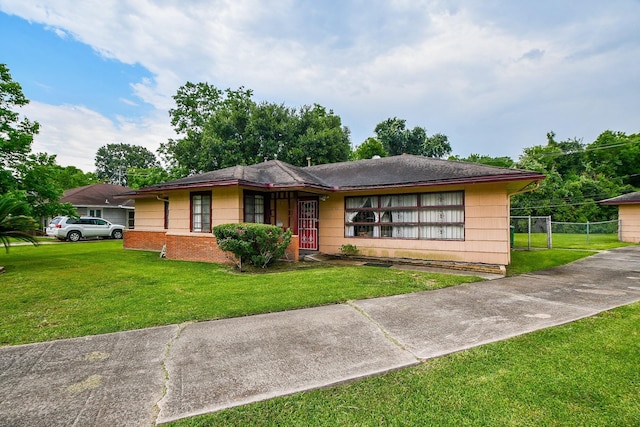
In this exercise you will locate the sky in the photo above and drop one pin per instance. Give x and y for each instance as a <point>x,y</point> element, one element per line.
<point>495,76</point>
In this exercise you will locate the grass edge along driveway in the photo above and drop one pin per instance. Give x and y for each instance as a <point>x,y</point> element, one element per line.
<point>584,373</point>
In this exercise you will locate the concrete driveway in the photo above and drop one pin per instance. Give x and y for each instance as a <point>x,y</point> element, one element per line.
<point>156,375</point>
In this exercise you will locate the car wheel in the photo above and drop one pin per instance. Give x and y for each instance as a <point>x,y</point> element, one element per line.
<point>117,234</point>
<point>73,236</point>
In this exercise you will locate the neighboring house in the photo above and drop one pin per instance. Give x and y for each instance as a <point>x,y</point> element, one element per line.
<point>98,200</point>
<point>628,216</point>
<point>407,206</point>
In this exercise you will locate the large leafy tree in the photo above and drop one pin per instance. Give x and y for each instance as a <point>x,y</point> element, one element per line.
<point>113,161</point>
<point>616,154</point>
<point>319,136</point>
<point>16,133</point>
<point>72,177</point>
<point>219,128</point>
<point>573,186</point>
<point>39,176</point>
<point>31,180</point>
<point>397,139</point>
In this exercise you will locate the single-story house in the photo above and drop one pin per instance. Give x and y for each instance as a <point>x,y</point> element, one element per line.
<point>408,207</point>
<point>628,215</point>
<point>99,200</point>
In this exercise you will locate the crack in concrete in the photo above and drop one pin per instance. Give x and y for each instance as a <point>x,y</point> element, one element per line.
<point>385,333</point>
<point>165,386</point>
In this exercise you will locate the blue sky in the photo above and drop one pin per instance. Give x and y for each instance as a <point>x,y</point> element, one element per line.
<point>494,76</point>
<point>60,70</point>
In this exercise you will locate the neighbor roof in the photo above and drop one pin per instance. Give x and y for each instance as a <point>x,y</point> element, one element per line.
<point>97,195</point>
<point>625,199</point>
<point>396,171</point>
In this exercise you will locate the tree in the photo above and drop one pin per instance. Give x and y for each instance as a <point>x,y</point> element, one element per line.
<point>617,155</point>
<point>72,177</point>
<point>483,159</point>
<point>397,139</point>
<point>319,136</point>
<point>436,146</point>
<point>572,186</point>
<point>14,225</point>
<point>196,104</point>
<point>144,177</point>
<point>41,189</point>
<point>16,134</point>
<point>219,129</point>
<point>368,149</point>
<point>113,160</point>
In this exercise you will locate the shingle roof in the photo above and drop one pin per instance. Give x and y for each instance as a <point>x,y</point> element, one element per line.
<point>625,199</point>
<point>273,173</point>
<point>96,195</point>
<point>408,170</point>
<point>405,170</point>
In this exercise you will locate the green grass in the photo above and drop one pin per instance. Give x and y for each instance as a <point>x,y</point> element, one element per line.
<point>69,290</point>
<point>566,248</point>
<point>582,374</point>
<point>569,241</point>
<point>536,260</point>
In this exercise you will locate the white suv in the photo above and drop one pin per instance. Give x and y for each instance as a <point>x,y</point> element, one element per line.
<point>73,229</point>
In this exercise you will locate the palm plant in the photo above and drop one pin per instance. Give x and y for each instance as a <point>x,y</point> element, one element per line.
<point>12,224</point>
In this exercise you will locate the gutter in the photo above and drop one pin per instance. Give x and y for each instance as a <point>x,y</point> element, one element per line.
<point>526,188</point>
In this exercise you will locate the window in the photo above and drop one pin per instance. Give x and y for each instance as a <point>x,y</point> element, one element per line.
<point>95,212</point>
<point>427,216</point>
<point>201,212</point>
<point>166,214</point>
<point>254,208</point>
<point>131,219</point>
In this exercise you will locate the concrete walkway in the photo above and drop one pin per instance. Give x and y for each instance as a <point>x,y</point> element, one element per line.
<point>156,375</point>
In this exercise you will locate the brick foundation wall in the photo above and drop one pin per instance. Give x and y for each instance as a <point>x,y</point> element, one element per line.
<point>195,248</point>
<point>144,240</point>
<point>293,250</point>
<point>192,247</point>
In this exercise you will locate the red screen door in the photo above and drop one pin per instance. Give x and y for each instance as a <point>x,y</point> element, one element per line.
<point>308,224</point>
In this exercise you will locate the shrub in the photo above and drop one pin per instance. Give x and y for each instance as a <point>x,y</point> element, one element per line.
<point>257,244</point>
<point>349,250</point>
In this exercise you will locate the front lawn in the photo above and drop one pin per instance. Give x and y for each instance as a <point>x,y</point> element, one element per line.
<point>74,289</point>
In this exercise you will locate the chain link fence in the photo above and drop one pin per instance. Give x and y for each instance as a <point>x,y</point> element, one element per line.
<point>532,232</point>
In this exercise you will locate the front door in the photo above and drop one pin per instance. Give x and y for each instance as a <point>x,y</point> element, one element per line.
<point>308,224</point>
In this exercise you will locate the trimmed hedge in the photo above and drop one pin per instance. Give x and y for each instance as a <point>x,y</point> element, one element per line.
<point>257,244</point>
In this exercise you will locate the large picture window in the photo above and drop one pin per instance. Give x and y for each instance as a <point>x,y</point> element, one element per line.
<point>428,216</point>
<point>201,212</point>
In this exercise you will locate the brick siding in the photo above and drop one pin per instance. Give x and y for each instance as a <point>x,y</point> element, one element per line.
<point>144,240</point>
<point>191,247</point>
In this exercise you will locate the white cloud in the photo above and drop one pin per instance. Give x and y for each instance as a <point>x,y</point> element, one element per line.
<point>492,76</point>
<point>75,133</point>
